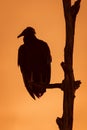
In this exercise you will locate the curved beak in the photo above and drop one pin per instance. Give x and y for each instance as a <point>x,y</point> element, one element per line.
<point>19,35</point>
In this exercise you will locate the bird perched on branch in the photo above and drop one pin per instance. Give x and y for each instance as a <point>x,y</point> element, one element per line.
<point>34,59</point>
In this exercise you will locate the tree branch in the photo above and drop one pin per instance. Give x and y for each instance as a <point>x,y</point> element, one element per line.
<point>47,86</point>
<point>75,8</point>
<point>55,85</point>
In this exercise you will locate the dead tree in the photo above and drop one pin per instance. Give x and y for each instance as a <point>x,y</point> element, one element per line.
<point>69,84</point>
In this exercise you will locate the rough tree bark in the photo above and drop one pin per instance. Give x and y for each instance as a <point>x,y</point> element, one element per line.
<point>69,87</point>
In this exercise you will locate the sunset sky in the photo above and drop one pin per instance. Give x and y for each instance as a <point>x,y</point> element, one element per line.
<point>18,111</point>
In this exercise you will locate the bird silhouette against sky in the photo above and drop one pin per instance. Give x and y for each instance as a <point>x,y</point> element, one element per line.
<point>34,59</point>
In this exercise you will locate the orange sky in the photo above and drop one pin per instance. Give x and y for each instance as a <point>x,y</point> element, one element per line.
<point>17,109</point>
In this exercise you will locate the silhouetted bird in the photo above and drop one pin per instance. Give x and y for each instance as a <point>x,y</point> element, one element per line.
<point>34,60</point>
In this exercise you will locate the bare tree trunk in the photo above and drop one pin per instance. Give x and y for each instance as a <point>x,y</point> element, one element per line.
<point>69,87</point>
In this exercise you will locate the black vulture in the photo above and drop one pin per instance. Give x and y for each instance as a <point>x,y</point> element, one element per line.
<point>34,59</point>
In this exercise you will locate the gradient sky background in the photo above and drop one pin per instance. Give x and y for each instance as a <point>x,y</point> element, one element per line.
<point>17,109</point>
